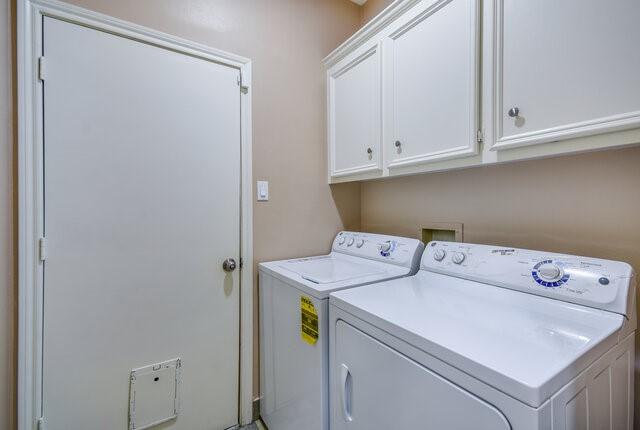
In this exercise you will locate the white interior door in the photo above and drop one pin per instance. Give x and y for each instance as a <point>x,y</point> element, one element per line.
<point>142,205</point>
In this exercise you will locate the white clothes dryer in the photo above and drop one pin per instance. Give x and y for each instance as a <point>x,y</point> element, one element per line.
<point>487,338</point>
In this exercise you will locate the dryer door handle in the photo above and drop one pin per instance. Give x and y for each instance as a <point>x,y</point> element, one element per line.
<point>346,390</point>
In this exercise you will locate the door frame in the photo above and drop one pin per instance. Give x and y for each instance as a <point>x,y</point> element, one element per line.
<point>30,196</point>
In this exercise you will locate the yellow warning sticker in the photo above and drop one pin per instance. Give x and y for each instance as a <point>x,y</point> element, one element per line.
<point>309,320</point>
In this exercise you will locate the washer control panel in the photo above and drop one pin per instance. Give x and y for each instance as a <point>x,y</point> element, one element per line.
<point>602,284</point>
<point>402,251</point>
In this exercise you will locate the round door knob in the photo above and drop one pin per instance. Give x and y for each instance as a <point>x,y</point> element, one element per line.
<point>458,257</point>
<point>514,112</point>
<point>550,272</point>
<point>229,265</point>
<point>369,151</point>
<point>398,144</point>
<point>439,254</point>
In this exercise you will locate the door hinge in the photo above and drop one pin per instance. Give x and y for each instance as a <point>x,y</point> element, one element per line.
<point>42,68</point>
<point>42,248</point>
<point>241,263</point>
<point>243,88</point>
<point>479,136</point>
<point>41,424</point>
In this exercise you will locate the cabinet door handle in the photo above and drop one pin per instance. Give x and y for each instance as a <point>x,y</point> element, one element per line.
<point>345,379</point>
<point>514,112</point>
<point>369,151</point>
<point>398,144</point>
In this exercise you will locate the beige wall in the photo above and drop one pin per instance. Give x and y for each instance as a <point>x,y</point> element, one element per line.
<point>286,39</point>
<point>371,8</point>
<point>582,204</point>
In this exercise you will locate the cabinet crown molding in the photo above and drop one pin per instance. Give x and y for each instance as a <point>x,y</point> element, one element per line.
<point>384,18</point>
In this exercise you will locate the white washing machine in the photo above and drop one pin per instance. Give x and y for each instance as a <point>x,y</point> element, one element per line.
<point>487,338</point>
<point>294,327</point>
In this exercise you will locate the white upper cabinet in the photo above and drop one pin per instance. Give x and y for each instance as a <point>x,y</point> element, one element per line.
<point>431,85</point>
<point>565,69</point>
<point>354,114</point>
<point>430,58</point>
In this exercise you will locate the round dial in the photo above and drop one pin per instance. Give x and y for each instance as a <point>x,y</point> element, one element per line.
<point>359,243</point>
<point>439,254</point>
<point>341,240</point>
<point>458,257</point>
<point>549,273</point>
<point>350,241</point>
<point>385,247</point>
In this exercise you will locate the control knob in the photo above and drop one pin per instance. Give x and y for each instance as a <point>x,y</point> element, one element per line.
<point>458,257</point>
<point>350,241</point>
<point>550,272</point>
<point>341,240</point>
<point>385,247</point>
<point>359,243</point>
<point>439,254</point>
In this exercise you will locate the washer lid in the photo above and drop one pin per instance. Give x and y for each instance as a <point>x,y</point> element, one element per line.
<point>321,275</point>
<point>524,345</point>
<point>328,269</point>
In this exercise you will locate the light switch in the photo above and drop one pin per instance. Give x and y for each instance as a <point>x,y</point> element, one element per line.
<point>263,191</point>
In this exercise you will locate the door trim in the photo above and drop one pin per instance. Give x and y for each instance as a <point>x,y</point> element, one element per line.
<point>30,197</point>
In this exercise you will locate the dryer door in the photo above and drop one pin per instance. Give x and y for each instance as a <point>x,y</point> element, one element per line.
<point>375,387</point>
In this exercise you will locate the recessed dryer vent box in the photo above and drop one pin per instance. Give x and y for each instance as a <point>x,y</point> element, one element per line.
<point>154,394</point>
<point>444,231</point>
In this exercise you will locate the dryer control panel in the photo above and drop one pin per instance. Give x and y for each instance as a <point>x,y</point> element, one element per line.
<point>602,284</point>
<point>402,251</point>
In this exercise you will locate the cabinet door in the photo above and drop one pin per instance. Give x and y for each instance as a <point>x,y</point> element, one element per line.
<point>375,387</point>
<point>431,83</point>
<point>354,113</point>
<point>565,69</point>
